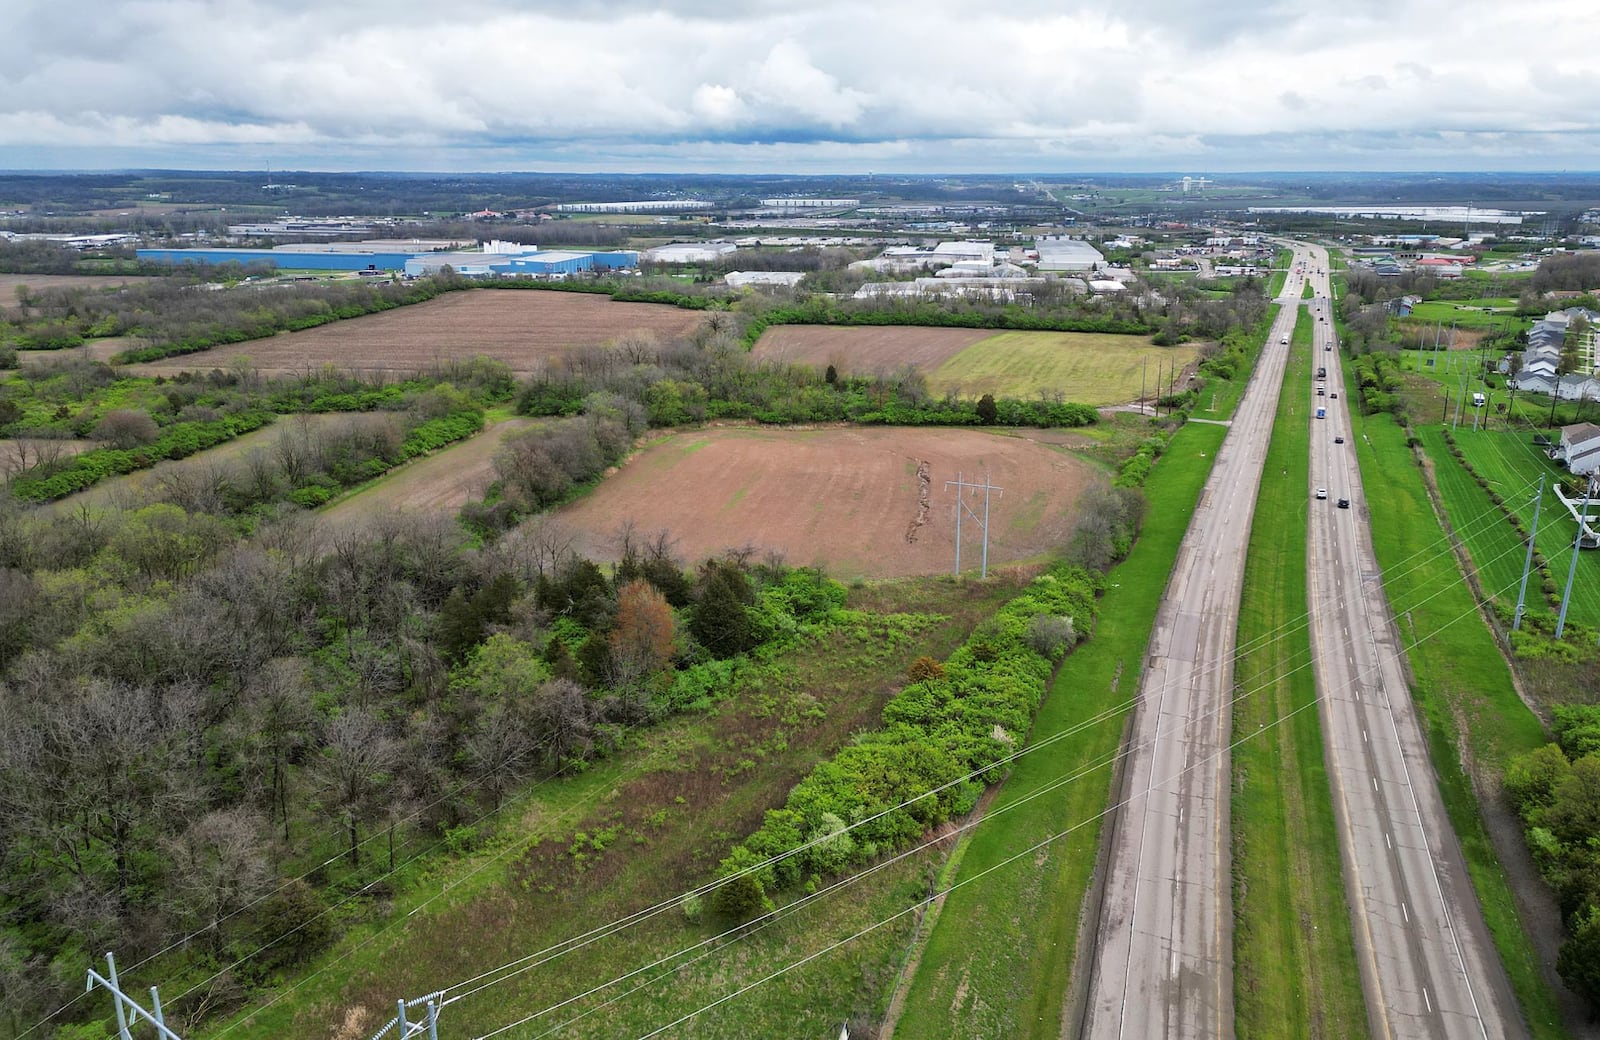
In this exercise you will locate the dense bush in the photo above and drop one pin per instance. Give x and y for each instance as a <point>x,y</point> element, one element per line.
<point>177,441</point>
<point>1556,790</point>
<point>942,740</point>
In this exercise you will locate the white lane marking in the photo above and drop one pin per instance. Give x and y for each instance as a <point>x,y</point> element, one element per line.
<point>1386,842</point>
<point>1426,1001</point>
<point>1374,783</point>
<point>1406,913</point>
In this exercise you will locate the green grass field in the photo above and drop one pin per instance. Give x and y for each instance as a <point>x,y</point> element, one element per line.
<point>997,961</point>
<point>1294,965</point>
<point>1511,464</point>
<point>1462,686</point>
<point>1496,549</point>
<point>1491,312</point>
<point>1092,368</point>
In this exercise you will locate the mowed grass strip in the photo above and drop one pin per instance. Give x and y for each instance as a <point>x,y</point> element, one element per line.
<point>998,960</point>
<point>1091,368</point>
<point>1510,462</point>
<point>1462,686</point>
<point>1294,964</point>
<point>1496,549</point>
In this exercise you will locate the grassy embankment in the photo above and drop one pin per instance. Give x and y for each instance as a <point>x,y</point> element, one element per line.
<point>1280,272</point>
<point>1294,964</point>
<point>636,829</point>
<point>1461,685</point>
<point>995,960</point>
<point>1511,463</point>
<point>1219,398</point>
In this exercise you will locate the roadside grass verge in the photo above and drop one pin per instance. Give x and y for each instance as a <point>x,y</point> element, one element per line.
<point>1461,686</point>
<point>634,830</point>
<point>1280,272</point>
<point>1294,964</point>
<point>1219,398</point>
<point>1001,949</point>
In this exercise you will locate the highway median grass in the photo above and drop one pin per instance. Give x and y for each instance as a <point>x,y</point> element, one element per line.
<point>1294,964</point>
<point>997,960</point>
<point>1461,686</point>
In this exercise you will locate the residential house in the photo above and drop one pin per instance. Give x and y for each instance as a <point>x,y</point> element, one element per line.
<point>1579,448</point>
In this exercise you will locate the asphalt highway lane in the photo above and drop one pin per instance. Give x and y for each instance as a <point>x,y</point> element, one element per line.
<point>1163,962</point>
<point>1428,967</point>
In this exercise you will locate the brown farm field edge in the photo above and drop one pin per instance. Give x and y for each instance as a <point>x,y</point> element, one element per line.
<point>523,329</point>
<point>861,502</point>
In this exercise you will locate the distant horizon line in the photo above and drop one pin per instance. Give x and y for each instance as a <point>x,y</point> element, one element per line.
<point>1086,174</point>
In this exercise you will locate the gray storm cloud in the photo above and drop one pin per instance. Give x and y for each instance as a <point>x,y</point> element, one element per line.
<point>1032,85</point>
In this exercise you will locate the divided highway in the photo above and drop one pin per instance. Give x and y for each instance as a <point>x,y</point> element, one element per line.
<point>1163,951</point>
<point>1428,966</point>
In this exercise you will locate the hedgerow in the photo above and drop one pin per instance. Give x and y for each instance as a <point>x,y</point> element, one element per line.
<point>178,441</point>
<point>896,783</point>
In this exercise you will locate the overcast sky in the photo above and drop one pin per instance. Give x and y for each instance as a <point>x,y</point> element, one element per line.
<point>806,86</point>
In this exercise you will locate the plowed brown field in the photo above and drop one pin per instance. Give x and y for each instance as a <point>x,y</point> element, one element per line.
<point>864,350</point>
<point>851,500</point>
<point>522,327</point>
<point>9,283</point>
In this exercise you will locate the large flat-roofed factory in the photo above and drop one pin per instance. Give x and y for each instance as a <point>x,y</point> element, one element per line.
<point>493,260</point>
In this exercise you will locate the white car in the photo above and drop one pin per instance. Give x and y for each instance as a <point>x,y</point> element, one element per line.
<point>1322,492</point>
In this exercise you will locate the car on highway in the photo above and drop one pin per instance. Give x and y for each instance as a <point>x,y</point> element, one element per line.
<point>1284,339</point>
<point>1333,395</point>
<point>1338,440</point>
<point>1344,503</point>
<point>1322,492</point>
<point>1328,346</point>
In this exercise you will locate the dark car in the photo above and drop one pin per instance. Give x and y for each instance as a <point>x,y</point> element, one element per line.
<point>1328,347</point>
<point>1344,503</point>
<point>1338,440</point>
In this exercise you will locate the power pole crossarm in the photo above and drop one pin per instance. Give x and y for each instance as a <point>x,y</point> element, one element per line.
<point>126,1004</point>
<point>983,522</point>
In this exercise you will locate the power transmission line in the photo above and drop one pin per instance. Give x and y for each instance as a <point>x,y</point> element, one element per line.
<point>965,826</point>
<point>1030,850</point>
<point>986,768</point>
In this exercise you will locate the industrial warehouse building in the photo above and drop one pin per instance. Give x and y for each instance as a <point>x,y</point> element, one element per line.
<point>1059,253</point>
<point>689,252</point>
<point>498,259</point>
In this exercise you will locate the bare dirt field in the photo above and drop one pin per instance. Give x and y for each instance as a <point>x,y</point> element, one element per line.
<point>524,328</point>
<point>93,350</point>
<point>444,481</point>
<point>10,282</point>
<point>861,350</point>
<point>860,502</point>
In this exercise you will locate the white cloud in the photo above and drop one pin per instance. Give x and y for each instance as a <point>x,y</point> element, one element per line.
<point>937,81</point>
